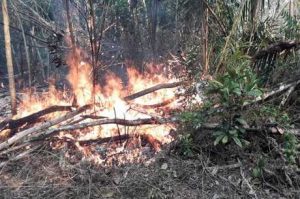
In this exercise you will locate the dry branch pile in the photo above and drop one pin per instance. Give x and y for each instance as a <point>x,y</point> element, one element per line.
<point>34,130</point>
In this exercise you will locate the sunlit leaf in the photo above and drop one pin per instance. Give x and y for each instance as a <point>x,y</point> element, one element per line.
<point>237,141</point>
<point>225,139</point>
<point>218,139</point>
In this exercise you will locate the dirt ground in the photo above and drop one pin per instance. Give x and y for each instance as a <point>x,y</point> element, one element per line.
<point>210,173</point>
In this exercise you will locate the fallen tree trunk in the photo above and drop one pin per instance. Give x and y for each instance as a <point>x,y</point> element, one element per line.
<point>152,89</point>
<point>275,48</point>
<point>267,95</point>
<point>14,124</point>
<point>274,92</point>
<point>43,126</point>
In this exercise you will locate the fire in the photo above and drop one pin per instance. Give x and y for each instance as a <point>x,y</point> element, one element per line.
<point>108,103</point>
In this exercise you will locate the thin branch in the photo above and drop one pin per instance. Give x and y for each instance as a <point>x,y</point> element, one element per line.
<point>152,89</point>
<point>26,33</point>
<point>44,126</point>
<point>16,123</point>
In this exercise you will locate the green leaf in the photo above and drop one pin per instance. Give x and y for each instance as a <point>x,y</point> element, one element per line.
<point>218,133</point>
<point>218,139</point>
<point>256,172</point>
<point>225,139</point>
<point>233,132</point>
<point>255,92</point>
<point>242,121</point>
<point>237,91</point>
<point>238,141</point>
<point>261,163</point>
<point>216,83</point>
<point>242,130</point>
<point>245,142</point>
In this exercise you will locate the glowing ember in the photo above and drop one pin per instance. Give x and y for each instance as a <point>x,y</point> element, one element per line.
<point>108,103</point>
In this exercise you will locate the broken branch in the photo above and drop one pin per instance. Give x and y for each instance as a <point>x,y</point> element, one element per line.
<point>44,126</point>
<point>275,48</point>
<point>13,124</point>
<point>161,104</point>
<point>152,89</point>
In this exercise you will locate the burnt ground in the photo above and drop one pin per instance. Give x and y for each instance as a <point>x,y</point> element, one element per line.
<point>190,170</point>
<point>208,172</point>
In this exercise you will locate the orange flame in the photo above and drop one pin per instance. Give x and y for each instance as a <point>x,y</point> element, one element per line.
<point>108,101</point>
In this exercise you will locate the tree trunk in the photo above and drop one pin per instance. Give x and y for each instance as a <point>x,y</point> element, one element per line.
<point>25,47</point>
<point>154,13</point>
<point>9,63</point>
<point>70,25</point>
<point>92,36</point>
<point>204,30</point>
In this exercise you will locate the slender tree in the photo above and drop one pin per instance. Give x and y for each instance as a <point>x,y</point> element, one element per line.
<point>9,63</point>
<point>25,46</point>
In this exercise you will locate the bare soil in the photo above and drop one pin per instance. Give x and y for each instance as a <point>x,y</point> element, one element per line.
<point>222,172</point>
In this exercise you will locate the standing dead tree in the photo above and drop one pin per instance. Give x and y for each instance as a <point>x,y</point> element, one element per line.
<point>9,62</point>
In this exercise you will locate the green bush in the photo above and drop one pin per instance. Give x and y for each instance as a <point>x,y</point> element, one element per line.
<point>237,86</point>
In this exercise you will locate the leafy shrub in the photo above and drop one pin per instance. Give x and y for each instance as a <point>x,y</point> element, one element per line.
<point>236,86</point>
<point>235,133</point>
<point>186,146</point>
<point>234,89</point>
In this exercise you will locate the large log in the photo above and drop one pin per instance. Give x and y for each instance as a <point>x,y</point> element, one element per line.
<point>152,89</point>
<point>41,127</point>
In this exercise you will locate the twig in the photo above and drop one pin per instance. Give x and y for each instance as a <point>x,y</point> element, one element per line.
<point>230,166</point>
<point>20,156</point>
<point>119,133</point>
<point>252,192</point>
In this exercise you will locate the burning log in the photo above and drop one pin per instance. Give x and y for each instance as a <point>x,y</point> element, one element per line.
<point>156,144</point>
<point>152,89</point>
<point>14,124</point>
<point>137,122</point>
<point>41,127</point>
